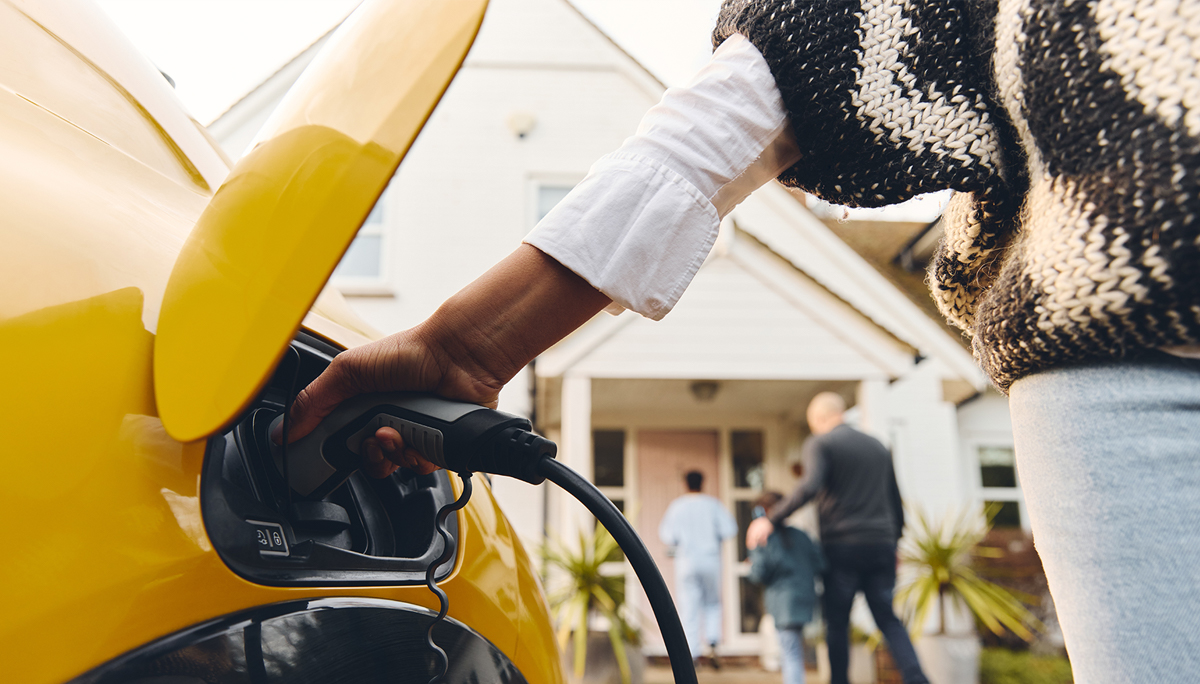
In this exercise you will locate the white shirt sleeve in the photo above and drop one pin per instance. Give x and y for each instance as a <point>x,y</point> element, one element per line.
<point>642,222</point>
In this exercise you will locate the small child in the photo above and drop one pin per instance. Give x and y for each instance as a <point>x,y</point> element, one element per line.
<point>787,565</point>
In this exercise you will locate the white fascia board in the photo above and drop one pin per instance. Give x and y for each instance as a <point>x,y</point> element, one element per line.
<point>843,321</point>
<point>775,218</point>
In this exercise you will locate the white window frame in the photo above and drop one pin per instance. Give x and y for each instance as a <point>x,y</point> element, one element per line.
<point>982,494</point>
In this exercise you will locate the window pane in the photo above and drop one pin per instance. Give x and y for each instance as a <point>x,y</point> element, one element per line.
<point>1007,513</point>
<point>376,215</point>
<point>998,476</point>
<point>997,467</point>
<point>748,458</point>
<point>752,605</point>
<point>548,197</point>
<point>608,458</point>
<point>362,259</point>
<point>744,510</point>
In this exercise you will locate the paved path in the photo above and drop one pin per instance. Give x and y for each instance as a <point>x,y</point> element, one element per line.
<point>726,675</point>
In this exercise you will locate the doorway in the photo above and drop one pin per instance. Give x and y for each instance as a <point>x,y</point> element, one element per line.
<point>664,457</point>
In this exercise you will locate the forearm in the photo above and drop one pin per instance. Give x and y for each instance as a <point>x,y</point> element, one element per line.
<point>496,325</point>
<point>788,505</point>
<point>810,484</point>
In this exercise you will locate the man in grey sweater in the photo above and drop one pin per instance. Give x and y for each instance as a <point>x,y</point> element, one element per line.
<point>851,477</point>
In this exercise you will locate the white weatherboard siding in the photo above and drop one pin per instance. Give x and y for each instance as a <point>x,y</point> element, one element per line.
<point>730,325</point>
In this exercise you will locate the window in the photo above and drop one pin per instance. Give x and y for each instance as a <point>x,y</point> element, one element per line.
<point>1004,513</point>
<point>363,261</point>
<point>999,488</point>
<point>997,466</point>
<point>608,458</point>
<point>549,196</point>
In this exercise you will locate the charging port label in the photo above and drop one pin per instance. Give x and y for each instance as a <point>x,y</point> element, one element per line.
<point>270,538</point>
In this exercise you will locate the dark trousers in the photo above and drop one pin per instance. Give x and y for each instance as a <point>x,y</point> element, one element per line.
<point>871,569</point>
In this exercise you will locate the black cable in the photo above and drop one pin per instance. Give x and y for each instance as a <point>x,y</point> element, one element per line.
<point>638,556</point>
<point>447,554</point>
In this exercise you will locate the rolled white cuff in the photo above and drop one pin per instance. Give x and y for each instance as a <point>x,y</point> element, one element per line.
<point>642,222</point>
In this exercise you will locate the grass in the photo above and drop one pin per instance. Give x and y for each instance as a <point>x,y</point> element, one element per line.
<point>1002,666</point>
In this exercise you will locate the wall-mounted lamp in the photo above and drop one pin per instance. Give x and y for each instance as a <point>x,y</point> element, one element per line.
<point>705,390</point>
<point>521,123</point>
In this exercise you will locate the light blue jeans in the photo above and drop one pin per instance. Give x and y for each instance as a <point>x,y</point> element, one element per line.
<point>699,585</point>
<point>1109,461</point>
<point>791,655</point>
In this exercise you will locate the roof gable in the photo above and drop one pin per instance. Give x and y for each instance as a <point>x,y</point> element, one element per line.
<point>742,317</point>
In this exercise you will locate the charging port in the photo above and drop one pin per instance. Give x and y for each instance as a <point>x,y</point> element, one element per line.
<point>365,531</point>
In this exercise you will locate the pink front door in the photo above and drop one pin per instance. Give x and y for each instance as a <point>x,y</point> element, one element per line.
<point>664,457</point>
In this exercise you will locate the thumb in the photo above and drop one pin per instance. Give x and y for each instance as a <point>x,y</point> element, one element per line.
<point>319,399</point>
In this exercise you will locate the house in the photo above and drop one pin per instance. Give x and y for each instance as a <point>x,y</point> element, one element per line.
<point>785,306</point>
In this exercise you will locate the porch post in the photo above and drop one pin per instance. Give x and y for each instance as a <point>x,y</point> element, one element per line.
<point>873,409</point>
<point>575,449</point>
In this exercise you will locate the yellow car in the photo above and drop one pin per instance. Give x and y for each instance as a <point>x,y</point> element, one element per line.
<point>158,307</point>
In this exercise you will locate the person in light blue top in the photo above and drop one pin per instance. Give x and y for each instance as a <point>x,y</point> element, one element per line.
<point>693,528</point>
<point>787,565</point>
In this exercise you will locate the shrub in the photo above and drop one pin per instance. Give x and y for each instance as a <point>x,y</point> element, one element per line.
<point>1002,666</point>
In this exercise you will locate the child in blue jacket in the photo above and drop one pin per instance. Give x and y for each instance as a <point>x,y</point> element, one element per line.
<point>787,565</point>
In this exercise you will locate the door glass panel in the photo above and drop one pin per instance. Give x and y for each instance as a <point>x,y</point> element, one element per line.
<point>751,601</point>
<point>747,458</point>
<point>744,512</point>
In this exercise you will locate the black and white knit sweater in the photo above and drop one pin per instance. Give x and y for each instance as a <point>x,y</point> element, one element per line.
<point>1070,129</point>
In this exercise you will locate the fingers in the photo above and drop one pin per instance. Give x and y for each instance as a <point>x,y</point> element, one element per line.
<point>319,399</point>
<point>375,463</point>
<point>385,452</point>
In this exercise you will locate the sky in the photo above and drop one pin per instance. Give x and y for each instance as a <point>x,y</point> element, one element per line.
<point>218,50</point>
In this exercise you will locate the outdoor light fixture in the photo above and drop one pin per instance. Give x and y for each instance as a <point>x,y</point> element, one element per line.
<point>521,123</point>
<point>705,390</point>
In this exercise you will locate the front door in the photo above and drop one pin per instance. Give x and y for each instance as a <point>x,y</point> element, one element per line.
<point>664,457</point>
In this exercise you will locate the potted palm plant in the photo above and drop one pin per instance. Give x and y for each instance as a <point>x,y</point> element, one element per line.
<point>585,591</point>
<point>937,559</point>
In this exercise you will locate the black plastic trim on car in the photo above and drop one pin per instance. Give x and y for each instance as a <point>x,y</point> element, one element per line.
<point>316,640</point>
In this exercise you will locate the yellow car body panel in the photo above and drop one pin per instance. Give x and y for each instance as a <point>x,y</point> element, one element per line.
<point>107,548</point>
<point>275,230</point>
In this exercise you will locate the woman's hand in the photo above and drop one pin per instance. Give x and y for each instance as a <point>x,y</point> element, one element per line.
<point>471,346</point>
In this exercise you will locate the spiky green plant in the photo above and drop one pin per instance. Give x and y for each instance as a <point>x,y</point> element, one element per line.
<point>939,556</point>
<point>588,591</point>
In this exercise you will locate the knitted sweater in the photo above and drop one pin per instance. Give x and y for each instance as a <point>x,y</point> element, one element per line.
<point>1070,131</point>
